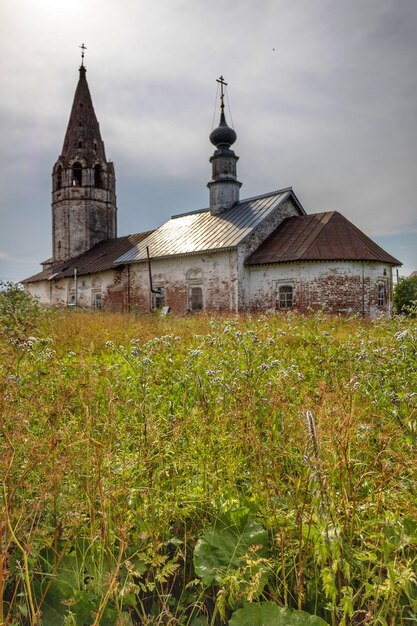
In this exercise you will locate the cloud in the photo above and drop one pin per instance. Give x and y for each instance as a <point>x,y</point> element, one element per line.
<point>330,111</point>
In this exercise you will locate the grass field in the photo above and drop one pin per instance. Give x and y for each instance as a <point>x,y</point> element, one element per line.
<point>201,472</point>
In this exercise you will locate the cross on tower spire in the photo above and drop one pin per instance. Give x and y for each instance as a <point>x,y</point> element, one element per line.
<point>83,47</point>
<point>222,85</point>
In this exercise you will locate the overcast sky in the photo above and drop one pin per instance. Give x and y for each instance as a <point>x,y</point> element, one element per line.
<point>322,93</point>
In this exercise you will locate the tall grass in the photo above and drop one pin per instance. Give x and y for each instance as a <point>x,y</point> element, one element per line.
<point>127,440</point>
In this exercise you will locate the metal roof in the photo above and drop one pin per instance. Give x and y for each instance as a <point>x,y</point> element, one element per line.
<point>203,231</point>
<point>318,237</point>
<point>100,258</point>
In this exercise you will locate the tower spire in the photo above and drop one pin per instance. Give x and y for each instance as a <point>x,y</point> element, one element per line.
<point>224,186</point>
<point>83,181</point>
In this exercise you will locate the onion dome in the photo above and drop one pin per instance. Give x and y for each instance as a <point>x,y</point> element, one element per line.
<point>223,135</point>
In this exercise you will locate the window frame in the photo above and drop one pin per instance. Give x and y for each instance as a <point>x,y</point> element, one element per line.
<point>191,288</point>
<point>381,293</point>
<point>284,300</point>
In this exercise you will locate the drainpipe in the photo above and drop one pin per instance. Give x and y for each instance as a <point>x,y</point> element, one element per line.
<point>128,287</point>
<point>152,290</point>
<point>75,288</point>
<point>363,289</point>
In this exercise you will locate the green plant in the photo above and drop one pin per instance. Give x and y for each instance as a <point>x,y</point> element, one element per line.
<point>19,311</point>
<point>405,296</point>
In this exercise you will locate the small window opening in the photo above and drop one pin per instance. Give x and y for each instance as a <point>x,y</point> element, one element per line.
<point>98,176</point>
<point>81,105</point>
<point>80,144</point>
<point>95,146</point>
<point>196,299</point>
<point>59,245</point>
<point>381,294</point>
<point>59,177</point>
<point>79,124</point>
<point>285,298</point>
<point>77,175</point>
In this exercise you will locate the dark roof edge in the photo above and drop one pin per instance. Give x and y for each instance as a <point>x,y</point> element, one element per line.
<point>292,262</point>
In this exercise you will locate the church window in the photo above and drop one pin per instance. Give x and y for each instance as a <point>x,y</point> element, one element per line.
<point>98,300</point>
<point>77,175</point>
<point>158,298</point>
<point>79,124</point>
<point>95,146</point>
<point>196,297</point>
<point>98,176</point>
<point>80,144</point>
<point>381,293</point>
<point>285,298</point>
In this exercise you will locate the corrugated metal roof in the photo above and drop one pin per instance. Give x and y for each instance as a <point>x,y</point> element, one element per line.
<point>202,231</point>
<point>98,259</point>
<point>318,237</point>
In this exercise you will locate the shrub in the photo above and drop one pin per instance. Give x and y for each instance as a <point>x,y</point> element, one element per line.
<point>19,311</point>
<point>405,296</point>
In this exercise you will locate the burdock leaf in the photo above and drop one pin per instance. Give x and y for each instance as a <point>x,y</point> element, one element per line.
<point>235,541</point>
<point>269,614</point>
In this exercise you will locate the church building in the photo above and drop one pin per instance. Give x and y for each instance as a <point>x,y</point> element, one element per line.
<point>255,254</point>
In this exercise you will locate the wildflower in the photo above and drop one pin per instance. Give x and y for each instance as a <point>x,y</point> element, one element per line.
<point>264,367</point>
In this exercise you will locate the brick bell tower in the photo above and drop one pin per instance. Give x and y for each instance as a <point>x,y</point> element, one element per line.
<point>83,182</point>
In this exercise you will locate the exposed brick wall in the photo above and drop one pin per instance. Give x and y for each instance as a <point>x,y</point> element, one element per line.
<point>333,287</point>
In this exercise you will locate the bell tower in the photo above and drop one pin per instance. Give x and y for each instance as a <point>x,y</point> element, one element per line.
<point>83,182</point>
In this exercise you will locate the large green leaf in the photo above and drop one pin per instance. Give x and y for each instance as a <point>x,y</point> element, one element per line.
<point>72,593</point>
<point>269,614</point>
<point>237,541</point>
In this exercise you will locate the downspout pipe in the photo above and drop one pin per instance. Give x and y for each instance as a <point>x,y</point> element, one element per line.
<point>75,287</point>
<point>152,290</point>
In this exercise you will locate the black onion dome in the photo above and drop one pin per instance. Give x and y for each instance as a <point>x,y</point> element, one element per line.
<point>223,134</point>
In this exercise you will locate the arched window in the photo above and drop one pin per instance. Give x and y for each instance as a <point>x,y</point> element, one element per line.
<point>98,176</point>
<point>59,177</point>
<point>80,144</point>
<point>77,174</point>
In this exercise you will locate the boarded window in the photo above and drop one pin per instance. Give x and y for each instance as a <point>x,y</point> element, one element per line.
<point>285,298</point>
<point>196,294</point>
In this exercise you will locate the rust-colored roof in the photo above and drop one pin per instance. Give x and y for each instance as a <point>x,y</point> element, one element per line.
<point>318,237</point>
<point>100,258</point>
